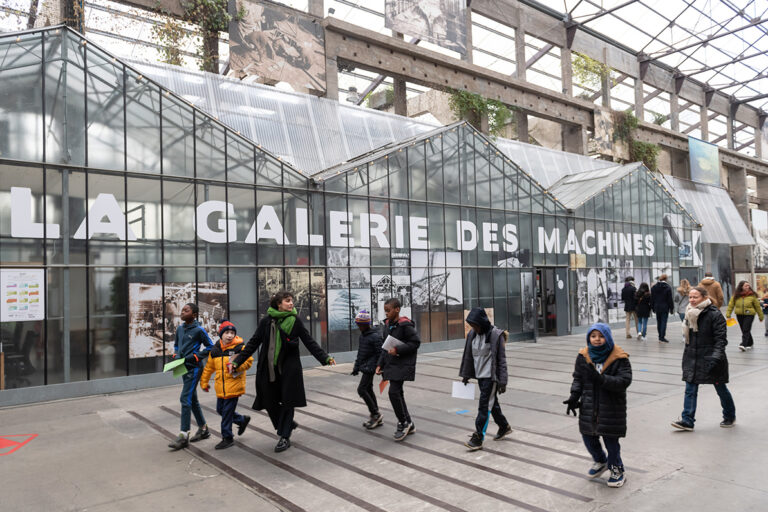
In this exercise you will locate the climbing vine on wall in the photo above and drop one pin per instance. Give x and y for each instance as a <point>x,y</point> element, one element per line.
<point>624,125</point>
<point>588,71</point>
<point>470,106</point>
<point>646,152</point>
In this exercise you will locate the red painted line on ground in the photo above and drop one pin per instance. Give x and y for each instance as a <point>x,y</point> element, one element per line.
<point>9,445</point>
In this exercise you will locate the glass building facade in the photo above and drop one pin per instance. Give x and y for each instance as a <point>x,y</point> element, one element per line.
<point>130,202</point>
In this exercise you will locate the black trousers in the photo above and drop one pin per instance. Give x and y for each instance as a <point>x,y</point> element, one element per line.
<point>365,390</point>
<point>397,398</point>
<point>282,419</point>
<point>745,323</point>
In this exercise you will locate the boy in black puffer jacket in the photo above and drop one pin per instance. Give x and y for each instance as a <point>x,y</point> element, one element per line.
<point>398,364</point>
<point>368,351</point>
<point>600,379</point>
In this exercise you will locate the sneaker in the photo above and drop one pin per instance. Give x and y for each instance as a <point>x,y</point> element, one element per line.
<point>180,442</point>
<point>597,469</point>
<point>202,433</point>
<point>663,340</point>
<point>742,348</point>
<point>283,444</point>
<point>750,347</point>
<point>617,478</point>
<point>241,427</point>
<point>225,442</point>
<point>503,431</point>
<point>374,421</point>
<point>403,429</point>
<point>683,425</point>
<point>475,442</point>
<point>728,423</point>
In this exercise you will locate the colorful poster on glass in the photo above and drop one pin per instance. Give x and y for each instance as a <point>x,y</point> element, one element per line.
<point>760,233</point>
<point>277,44</point>
<point>22,294</point>
<point>705,162</point>
<point>442,22</point>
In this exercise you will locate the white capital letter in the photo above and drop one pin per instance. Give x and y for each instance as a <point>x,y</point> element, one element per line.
<point>105,205</point>
<point>227,229</point>
<point>21,217</point>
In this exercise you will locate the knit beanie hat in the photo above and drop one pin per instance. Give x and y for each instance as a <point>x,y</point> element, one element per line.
<point>363,317</point>
<point>226,325</point>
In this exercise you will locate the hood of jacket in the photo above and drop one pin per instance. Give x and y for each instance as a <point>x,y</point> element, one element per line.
<point>478,317</point>
<point>605,330</point>
<point>708,280</point>
<point>616,353</point>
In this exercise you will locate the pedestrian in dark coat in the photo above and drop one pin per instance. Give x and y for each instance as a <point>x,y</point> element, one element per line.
<point>601,376</point>
<point>485,359</point>
<point>368,352</point>
<point>662,304</point>
<point>397,363</point>
<point>704,359</point>
<point>643,310</point>
<point>279,378</point>
<point>628,297</point>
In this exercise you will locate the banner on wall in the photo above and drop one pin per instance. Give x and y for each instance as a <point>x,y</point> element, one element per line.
<point>279,44</point>
<point>705,162</point>
<point>760,233</point>
<point>441,22</point>
<point>153,316</point>
<point>764,138</point>
<point>23,297</point>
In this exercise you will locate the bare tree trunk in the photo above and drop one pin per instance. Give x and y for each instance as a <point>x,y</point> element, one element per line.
<point>211,52</point>
<point>32,13</point>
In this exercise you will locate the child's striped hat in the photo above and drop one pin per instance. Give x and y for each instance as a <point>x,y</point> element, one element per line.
<point>363,317</point>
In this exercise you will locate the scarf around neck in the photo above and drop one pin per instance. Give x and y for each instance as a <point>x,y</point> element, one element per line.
<point>691,320</point>
<point>282,320</point>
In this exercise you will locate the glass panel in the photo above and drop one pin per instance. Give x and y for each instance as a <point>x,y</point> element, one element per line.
<point>317,227</point>
<point>105,111</point>
<point>145,221</point>
<point>482,173</point>
<point>420,292</point>
<point>270,246</point>
<point>357,180</point>
<point>178,222</point>
<point>243,297</point>
<point>22,244</point>
<point>243,200</point>
<point>398,175</point>
<point>268,170</point>
<point>108,323</point>
<point>178,137</point>
<point>451,167</point>
<point>239,160</point>
<point>209,147</point>
<point>378,180</point>
<point>65,206</point>
<point>467,166</point>
<point>146,320</point>
<point>271,281</point>
<point>434,157</point>
<point>105,227</point>
<point>67,336</point>
<point>213,225</point>
<point>295,253</point>
<point>21,97</point>
<point>417,171</point>
<point>142,118</point>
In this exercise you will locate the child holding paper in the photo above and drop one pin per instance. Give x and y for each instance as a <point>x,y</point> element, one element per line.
<point>601,377</point>
<point>229,386</point>
<point>190,336</point>
<point>397,362</point>
<point>368,351</point>
<point>485,360</point>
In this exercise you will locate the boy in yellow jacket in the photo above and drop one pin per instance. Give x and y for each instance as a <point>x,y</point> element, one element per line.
<point>229,386</point>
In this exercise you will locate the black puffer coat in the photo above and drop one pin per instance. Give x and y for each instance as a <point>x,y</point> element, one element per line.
<point>662,300</point>
<point>704,359</point>
<point>401,366</point>
<point>603,405</point>
<point>643,305</point>
<point>368,351</point>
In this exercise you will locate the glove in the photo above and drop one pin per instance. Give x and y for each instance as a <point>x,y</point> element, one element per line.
<point>465,381</point>
<point>502,389</point>
<point>594,375</point>
<point>572,404</point>
<point>354,373</point>
<point>206,389</point>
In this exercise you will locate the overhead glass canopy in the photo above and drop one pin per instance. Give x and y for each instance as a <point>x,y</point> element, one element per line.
<point>721,43</point>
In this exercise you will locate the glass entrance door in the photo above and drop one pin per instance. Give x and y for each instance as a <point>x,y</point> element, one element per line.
<point>546,302</point>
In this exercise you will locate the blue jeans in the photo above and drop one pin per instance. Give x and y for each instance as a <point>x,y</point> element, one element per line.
<point>682,316</point>
<point>642,325</point>
<point>489,403</point>
<point>226,408</point>
<point>188,398</point>
<point>692,392</point>
<point>661,323</point>
<point>596,450</point>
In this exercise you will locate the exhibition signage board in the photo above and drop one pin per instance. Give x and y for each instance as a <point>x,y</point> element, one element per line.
<point>23,294</point>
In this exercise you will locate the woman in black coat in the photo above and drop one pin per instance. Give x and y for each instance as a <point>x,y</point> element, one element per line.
<point>704,360</point>
<point>601,376</point>
<point>643,309</point>
<point>279,378</point>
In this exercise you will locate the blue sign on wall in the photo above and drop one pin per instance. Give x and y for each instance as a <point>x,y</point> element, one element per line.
<point>705,162</point>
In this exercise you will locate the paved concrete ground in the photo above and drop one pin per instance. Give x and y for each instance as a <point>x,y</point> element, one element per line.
<point>109,453</point>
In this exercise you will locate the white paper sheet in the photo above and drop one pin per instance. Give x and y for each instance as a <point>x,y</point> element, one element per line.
<point>461,391</point>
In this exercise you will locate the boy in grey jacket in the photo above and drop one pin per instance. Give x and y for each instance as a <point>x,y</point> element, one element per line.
<point>485,360</point>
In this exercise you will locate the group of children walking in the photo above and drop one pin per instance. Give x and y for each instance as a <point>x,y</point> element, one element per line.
<point>601,376</point>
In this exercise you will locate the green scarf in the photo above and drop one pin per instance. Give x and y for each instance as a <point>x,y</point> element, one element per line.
<point>285,321</point>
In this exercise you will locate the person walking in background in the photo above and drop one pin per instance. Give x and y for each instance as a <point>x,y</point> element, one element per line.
<point>704,359</point>
<point>764,305</point>
<point>714,290</point>
<point>485,359</point>
<point>398,363</point>
<point>746,306</point>
<point>601,376</point>
<point>643,310</point>
<point>279,379</point>
<point>368,352</point>
<point>190,337</point>
<point>630,302</point>
<point>229,386</point>
<point>681,298</point>
<point>662,304</point>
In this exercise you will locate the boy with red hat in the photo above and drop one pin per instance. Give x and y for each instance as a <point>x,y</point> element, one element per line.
<point>229,386</point>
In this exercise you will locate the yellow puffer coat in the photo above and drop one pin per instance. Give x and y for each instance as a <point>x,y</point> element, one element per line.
<point>748,305</point>
<point>226,385</point>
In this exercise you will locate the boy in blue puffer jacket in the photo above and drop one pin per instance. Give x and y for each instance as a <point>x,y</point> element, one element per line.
<point>368,352</point>
<point>601,377</point>
<point>190,336</point>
